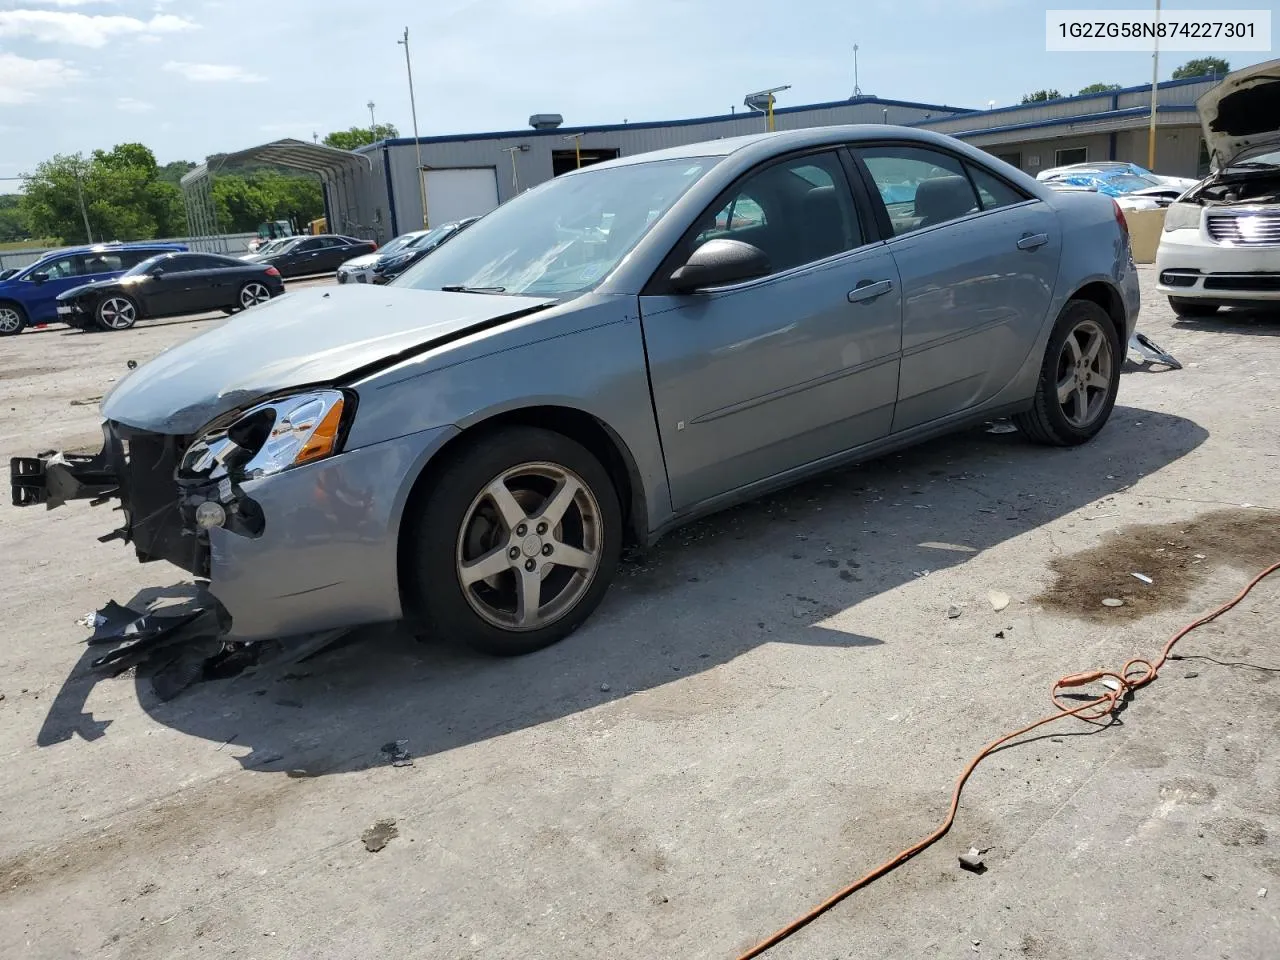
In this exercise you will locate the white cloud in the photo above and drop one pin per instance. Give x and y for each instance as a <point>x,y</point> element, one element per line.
<point>213,72</point>
<point>67,3</point>
<point>85,30</point>
<point>23,80</point>
<point>130,105</point>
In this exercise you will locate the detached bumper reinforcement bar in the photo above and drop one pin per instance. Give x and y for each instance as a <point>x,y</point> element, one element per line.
<point>54,478</point>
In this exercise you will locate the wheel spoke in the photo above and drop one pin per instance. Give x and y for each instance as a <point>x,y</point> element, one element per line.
<point>1097,380</point>
<point>1073,347</point>
<point>553,510</point>
<point>1094,345</point>
<point>490,565</point>
<point>528,596</point>
<point>1066,388</point>
<point>566,556</point>
<point>511,511</point>
<point>1082,404</point>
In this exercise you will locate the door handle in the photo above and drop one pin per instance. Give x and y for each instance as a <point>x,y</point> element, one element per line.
<point>869,290</point>
<point>1030,241</point>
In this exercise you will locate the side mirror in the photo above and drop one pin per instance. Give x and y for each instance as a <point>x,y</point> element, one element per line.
<point>39,278</point>
<point>156,272</point>
<point>719,262</point>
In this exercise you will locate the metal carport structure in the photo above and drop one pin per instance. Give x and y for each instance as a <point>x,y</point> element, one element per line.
<point>344,176</point>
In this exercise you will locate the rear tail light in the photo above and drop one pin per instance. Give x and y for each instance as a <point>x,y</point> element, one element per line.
<point>1123,223</point>
<point>272,272</point>
<point>375,247</point>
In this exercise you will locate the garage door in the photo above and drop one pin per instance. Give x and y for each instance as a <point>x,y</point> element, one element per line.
<point>454,194</point>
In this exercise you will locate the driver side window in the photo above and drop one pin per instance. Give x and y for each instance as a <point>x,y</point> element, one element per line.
<point>60,269</point>
<point>797,211</point>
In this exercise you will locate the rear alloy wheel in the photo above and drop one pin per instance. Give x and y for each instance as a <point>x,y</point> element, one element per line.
<point>116,312</point>
<point>1079,378</point>
<point>1192,308</point>
<point>515,543</point>
<point>252,294</point>
<point>12,319</point>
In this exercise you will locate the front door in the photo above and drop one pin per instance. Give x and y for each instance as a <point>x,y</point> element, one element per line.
<point>62,274</point>
<point>978,260</point>
<point>758,378</point>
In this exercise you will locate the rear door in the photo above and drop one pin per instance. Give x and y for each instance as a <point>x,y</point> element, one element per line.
<point>757,378</point>
<point>978,260</point>
<point>201,284</point>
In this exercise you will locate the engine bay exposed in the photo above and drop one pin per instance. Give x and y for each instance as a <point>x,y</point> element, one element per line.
<point>1254,186</point>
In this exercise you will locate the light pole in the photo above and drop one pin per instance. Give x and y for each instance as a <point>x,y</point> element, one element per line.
<point>577,147</point>
<point>1155,77</point>
<point>515,178</point>
<point>373,126</point>
<point>413,110</point>
<point>857,90</point>
<point>763,100</point>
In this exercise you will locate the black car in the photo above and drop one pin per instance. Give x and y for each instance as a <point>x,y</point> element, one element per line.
<point>306,256</point>
<point>167,285</point>
<point>391,266</point>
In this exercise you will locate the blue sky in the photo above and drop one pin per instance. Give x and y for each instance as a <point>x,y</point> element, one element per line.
<point>191,77</point>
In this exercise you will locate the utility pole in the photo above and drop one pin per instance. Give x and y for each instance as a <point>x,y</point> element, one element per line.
<point>515,179</point>
<point>857,90</point>
<point>373,126</point>
<point>315,137</point>
<point>417,145</point>
<point>1155,77</point>
<point>84,211</point>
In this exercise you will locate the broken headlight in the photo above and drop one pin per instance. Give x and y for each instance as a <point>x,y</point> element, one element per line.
<point>270,437</point>
<point>1180,216</point>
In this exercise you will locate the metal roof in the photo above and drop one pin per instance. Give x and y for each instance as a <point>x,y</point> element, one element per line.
<point>295,154</point>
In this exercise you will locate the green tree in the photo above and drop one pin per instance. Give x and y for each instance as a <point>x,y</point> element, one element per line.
<point>1098,88</point>
<point>1040,96</point>
<point>359,136</point>
<point>13,224</point>
<point>118,190</point>
<point>1202,67</point>
<point>244,201</point>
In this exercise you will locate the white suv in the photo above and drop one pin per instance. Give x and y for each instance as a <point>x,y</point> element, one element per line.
<point>1221,240</point>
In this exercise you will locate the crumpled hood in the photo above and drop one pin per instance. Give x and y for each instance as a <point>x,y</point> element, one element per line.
<point>1242,113</point>
<point>311,336</point>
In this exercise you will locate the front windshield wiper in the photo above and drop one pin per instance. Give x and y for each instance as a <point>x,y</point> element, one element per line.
<point>462,288</point>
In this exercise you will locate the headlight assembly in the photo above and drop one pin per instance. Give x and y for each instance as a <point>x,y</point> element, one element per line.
<point>1181,216</point>
<point>270,437</point>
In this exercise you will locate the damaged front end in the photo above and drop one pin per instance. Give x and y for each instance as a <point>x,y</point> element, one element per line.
<point>136,467</point>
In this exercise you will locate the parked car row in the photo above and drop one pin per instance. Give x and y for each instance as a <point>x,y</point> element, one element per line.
<point>399,254</point>
<point>307,256</point>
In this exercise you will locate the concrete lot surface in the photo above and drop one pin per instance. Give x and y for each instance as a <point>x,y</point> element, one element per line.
<point>767,705</point>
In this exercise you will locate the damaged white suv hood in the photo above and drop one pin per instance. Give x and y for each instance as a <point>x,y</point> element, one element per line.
<point>1241,115</point>
<point>310,337</point>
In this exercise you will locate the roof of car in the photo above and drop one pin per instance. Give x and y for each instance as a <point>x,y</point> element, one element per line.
<point>157,245</point>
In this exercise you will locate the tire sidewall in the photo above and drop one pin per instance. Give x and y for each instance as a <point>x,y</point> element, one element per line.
<point>434,598</point>
<point>97,312</point>
<point>1075,312</point>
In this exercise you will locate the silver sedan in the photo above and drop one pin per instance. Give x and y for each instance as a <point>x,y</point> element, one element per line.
<point>599,360</point>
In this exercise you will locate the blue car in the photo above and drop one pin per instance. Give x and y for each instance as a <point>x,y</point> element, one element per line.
<point>30,296</point>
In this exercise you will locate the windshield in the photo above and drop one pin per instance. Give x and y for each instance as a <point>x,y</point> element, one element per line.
<point>145,265</point>
<point>1269,159</point>
<point>402,242</point>
<point>562,237</point>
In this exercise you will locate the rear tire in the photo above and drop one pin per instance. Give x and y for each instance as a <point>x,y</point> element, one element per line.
<point>1192,309</point>
<point>548,539</point>
<point>251,294</point>
<point>116,312</point>
<point>1079,378</point>
<point>13,319</point>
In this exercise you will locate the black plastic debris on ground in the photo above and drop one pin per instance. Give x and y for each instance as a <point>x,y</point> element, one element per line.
<point>179,649</point>
<point>395,752</point>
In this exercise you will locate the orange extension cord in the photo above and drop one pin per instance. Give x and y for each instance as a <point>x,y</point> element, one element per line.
<point>1135,674</point>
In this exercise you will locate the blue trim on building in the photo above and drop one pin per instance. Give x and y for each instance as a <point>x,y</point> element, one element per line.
<point>564,131</point>
<point>1077,118</point>
<point>391,190</point>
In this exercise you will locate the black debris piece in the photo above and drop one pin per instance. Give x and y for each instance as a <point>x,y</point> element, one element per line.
<point>395,752</point>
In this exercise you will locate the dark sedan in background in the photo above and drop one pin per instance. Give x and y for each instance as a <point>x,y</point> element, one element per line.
<point>392,265</point>
<point>307,256</point>
<point>168,285</point>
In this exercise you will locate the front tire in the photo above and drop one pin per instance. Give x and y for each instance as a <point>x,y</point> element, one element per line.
<point>1079,378</point>
<point>13,319</point>
<point>514,544</point>
<point>1192,309</point>
<point>116,312</point>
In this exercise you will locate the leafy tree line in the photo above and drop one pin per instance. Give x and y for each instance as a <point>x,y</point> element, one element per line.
<point>124,194</point>
<point>1199,67</point>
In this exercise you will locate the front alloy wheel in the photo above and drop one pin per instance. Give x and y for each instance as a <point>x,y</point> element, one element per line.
<point>513,542</point>
<point>12,320</point>
<point>117,313</point>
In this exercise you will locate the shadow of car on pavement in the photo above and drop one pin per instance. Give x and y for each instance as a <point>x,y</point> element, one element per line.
<point>783,564</point>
